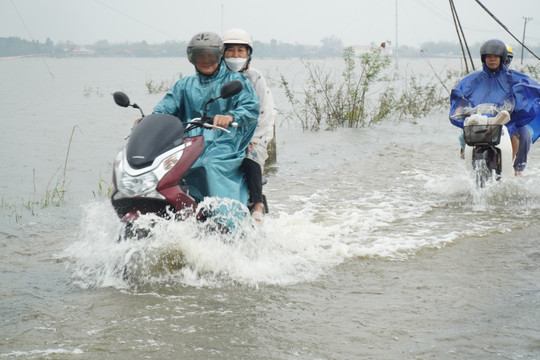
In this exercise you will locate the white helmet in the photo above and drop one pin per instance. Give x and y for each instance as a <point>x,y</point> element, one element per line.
<point>238,37</point>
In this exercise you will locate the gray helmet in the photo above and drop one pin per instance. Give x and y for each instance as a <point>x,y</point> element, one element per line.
<point>204,41</point>
<point>493,47</point>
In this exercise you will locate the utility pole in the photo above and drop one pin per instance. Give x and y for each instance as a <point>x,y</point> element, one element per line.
<point>222,18</point>
<point>397,45</point>
<point>526,19</point>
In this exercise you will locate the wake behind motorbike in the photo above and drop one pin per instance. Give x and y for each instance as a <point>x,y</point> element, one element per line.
<point>153,173</point>
<point>488,150</point>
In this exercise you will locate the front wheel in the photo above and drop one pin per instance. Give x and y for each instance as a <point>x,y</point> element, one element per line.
<point>482,172</point>
<point>130,231</point>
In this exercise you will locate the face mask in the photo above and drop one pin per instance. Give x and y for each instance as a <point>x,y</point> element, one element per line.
<point>235,64</point>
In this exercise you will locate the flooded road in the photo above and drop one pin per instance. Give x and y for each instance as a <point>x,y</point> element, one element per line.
<point>378,244</point>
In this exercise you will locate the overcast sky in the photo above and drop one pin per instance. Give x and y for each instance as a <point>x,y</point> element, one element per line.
<point>355,22</point>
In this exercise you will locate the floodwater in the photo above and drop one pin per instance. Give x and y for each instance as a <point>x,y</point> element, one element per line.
<point>378,244</point>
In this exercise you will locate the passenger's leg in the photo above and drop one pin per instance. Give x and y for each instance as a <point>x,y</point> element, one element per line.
<point>462,144</point>
<point>254,181</point>
<point>525,141</point>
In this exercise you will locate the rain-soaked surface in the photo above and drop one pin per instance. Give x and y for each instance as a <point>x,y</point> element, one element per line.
<point>378,244</point>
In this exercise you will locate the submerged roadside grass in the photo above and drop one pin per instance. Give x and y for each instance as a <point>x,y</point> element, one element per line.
<point>364,94</point>
<point>53,195</point>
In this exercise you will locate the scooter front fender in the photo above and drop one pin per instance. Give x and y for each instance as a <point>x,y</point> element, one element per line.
<point>131,216</point>
<point>506,153</point>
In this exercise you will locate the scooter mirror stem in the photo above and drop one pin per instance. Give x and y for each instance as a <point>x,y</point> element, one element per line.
<point>135,106</point>
<point>206,104</point>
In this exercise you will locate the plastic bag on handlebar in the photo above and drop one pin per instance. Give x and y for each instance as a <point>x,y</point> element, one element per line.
<point>494,109</point>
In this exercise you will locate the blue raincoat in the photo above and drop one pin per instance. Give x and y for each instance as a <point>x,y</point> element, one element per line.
<point>223,153</point>
<point>500,87</point>
<point>535,123</point>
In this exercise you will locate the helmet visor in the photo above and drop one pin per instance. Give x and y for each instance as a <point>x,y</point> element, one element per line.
<point>207,55</point>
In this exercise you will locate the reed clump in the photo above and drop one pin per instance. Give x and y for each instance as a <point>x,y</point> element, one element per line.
<point>54,196</point>
<point>364,94</point>
<point>157,87</point>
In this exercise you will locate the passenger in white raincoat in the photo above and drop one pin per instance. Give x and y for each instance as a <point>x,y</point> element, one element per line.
<point>237,55</point>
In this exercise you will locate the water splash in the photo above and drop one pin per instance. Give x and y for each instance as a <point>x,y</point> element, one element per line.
<point>285,249</point>
<point>323,231</point>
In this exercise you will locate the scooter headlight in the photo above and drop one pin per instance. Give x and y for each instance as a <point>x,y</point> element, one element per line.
<point>139,185</point>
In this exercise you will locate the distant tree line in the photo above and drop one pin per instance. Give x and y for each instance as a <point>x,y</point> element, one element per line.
<point>14,46</point>
<point>330,47</point>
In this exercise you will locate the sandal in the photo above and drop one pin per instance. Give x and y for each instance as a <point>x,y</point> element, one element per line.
<point>257,216</point>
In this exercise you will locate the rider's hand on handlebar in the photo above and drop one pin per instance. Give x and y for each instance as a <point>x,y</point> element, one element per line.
<point>222,120</point>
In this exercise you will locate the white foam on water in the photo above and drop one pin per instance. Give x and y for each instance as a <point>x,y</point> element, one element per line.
<point>40,354</point>
<point>305,236</point>
<point>287,248</point>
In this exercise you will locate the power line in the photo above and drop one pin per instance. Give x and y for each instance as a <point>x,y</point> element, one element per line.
<point>429,6</point>
<point>505,28</point>
<point>32,38</point>
<point>137,20</point>
<point>461,35</point>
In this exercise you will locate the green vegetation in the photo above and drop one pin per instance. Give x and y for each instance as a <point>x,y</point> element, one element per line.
<point>163,86</point>
<point>420,96</point>
<point>531,70</point>
<point>52,197</point>
<point>104,189</point>
<point>339,103</point>
<point>364,95</point>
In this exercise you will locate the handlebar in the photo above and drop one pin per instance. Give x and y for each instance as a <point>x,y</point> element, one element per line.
<point>208,122</point>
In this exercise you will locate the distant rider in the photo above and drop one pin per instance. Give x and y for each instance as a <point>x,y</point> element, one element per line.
<point>238,51</point>
<point>509,55</point>
<point>223,153</point>
<point>497,85</point>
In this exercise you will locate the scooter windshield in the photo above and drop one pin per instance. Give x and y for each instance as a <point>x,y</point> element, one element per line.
<point>152,136</point>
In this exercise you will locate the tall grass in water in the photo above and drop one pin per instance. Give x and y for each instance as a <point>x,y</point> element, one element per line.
<point>155,87</point>
<point>52,197</point>
<point>363,95</point>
